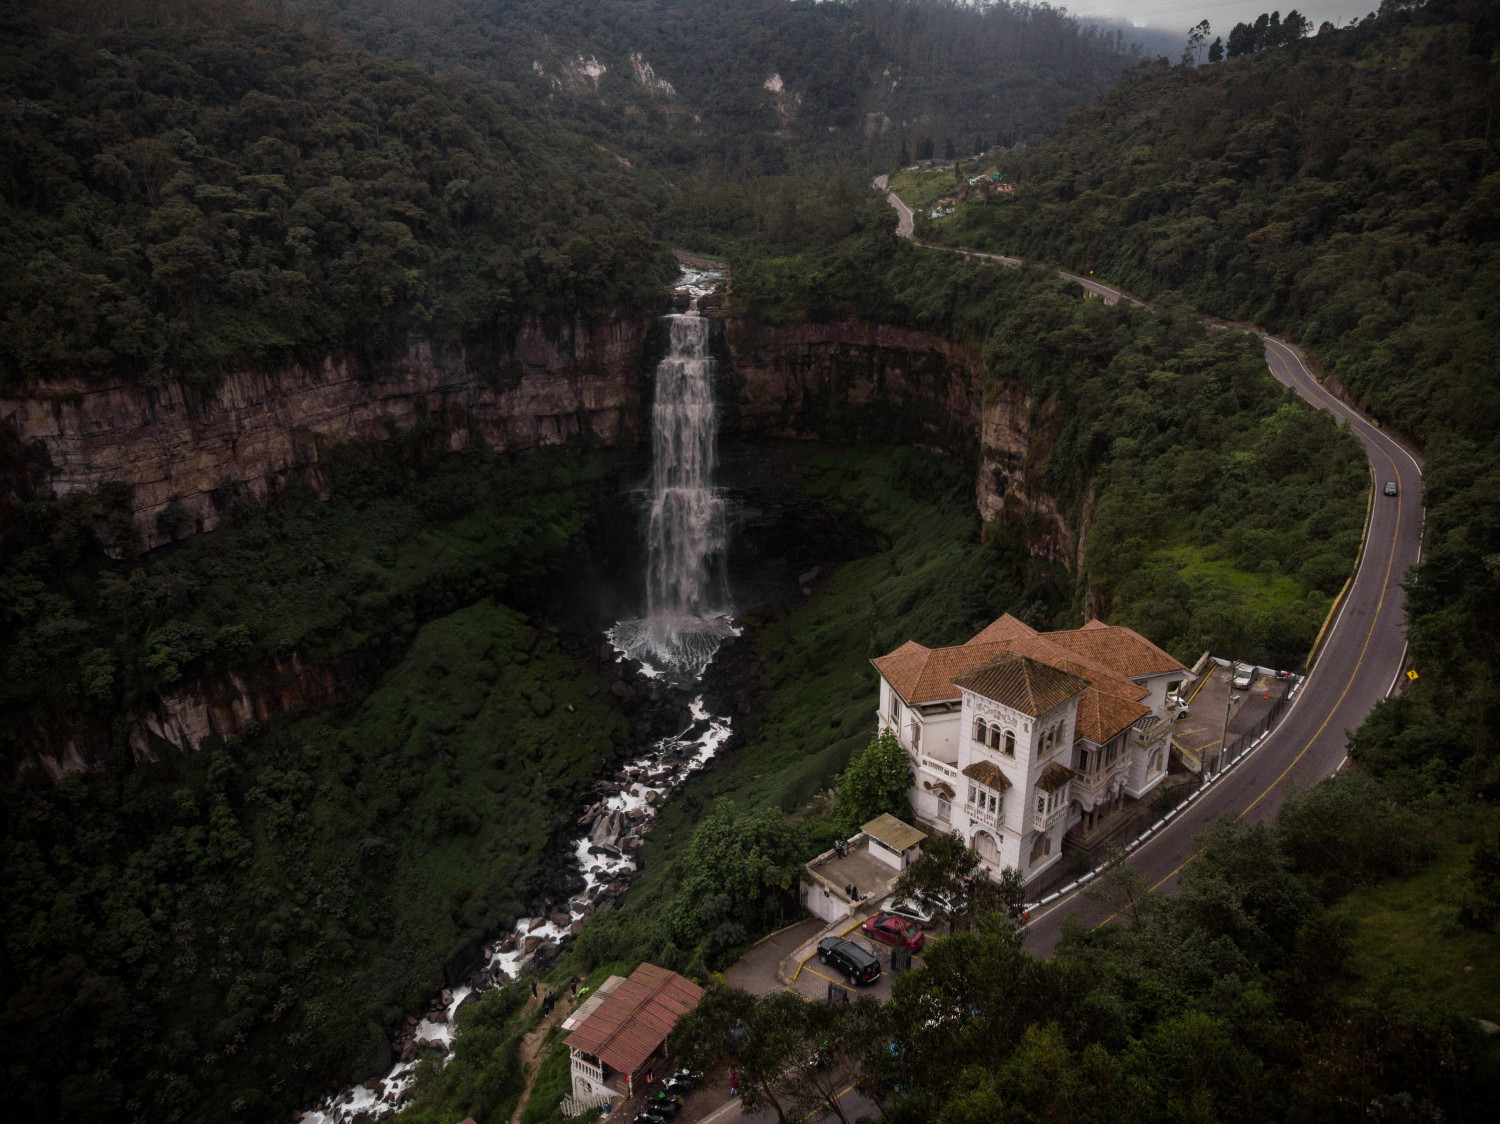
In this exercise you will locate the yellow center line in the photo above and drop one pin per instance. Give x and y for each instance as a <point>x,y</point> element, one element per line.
<point>837,1097</point>
<point>1364,650</point>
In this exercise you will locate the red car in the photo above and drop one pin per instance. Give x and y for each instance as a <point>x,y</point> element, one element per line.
<point>898,932</point>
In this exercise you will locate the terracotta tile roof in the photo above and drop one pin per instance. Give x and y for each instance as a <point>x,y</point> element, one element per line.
<point>922,675</point>
<point>895,834</point>
<point>1102,715</point>
<point>988,774</point>
<point>1123,649</point>
<point>636,1017</point>
<point>1104,656</point>
<point>1053,777</point>
<point>1022,683</point>
<point>1003,631</point>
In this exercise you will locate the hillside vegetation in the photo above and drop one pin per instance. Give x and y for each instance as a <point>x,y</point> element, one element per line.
<point>224,189</point>
<point>860,76</point>
<point>1345,190</point>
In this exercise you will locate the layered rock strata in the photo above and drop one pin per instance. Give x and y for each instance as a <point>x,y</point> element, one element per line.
<point>852,380</point>
<point>177,444</point>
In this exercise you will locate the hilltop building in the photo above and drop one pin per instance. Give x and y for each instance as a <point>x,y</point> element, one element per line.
<point>1019,738</point>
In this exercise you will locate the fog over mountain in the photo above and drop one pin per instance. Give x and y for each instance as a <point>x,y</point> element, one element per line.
<point>1172,15</point>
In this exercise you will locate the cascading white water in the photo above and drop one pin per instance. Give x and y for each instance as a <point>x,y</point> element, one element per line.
<point>686,599</point>
<point>687,619</point>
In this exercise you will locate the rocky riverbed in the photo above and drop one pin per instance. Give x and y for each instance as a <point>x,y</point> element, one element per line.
<point>611,829</point>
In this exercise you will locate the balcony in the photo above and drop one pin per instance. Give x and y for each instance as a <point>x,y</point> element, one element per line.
<point>985,818</point>
<point>936,766</point>
<point>1041,821</point>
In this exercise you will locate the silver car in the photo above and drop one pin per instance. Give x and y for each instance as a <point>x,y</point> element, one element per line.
<point>1243,675</point>
<point>912,910</point>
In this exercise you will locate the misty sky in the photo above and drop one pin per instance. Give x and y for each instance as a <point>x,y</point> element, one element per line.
<point>1221,14</point>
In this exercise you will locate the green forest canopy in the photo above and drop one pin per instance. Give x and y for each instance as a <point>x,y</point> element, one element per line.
<point>1344,189</point>
<point>179,198</point>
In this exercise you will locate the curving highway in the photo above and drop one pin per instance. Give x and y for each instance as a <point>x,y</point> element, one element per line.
<point>1361,660</point>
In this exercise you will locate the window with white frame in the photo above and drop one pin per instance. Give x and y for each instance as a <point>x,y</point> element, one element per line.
<point>1010,743</point>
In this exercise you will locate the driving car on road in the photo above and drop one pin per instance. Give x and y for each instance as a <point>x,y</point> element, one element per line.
<point>911,909</point>
<point>898,932</point>
<point>1390,487</point>
<point>857,964</point>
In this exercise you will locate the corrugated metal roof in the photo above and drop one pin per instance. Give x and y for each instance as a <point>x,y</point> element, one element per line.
<point>591,1004</point>
<point>895,834</point>
<point>635,1018</point>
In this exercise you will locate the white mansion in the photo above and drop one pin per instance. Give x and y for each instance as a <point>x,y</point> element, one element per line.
<point>1018,736</point>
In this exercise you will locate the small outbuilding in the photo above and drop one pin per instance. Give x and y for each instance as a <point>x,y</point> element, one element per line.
<point>619,1035</point>
<point>893,841</point>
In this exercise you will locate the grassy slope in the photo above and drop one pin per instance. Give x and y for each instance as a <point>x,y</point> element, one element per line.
<point>933,580</point>
<point>341,859</point>
<point>1411,950</point>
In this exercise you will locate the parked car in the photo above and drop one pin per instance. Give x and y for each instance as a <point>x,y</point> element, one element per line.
<point>898,932</point>
<point>911,909</point>
<point>1177,707</point>
<point>1390,487</point>
<point>1243,675</point>
<point>857,964</point>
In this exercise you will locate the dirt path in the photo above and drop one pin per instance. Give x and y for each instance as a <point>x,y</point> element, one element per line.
<point>532,1044</point>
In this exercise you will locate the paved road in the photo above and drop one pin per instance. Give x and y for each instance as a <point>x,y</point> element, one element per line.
<point>1359,665</point>
<point>855,1104</point>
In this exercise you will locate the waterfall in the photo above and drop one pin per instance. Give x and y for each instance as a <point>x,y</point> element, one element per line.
<point>687,611</point>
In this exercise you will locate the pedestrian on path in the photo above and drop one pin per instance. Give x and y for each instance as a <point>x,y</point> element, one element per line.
<point>533,989</point>
<point>734,1082</point>
<point>575,990</point>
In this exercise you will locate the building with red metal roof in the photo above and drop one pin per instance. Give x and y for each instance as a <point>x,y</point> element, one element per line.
<point>619,1034</point>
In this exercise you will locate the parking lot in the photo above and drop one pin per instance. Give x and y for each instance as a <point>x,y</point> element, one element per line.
<point>1200,736</point>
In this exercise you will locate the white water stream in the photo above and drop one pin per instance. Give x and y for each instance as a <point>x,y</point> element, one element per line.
<point>687,618</point>
<point>687,599</point>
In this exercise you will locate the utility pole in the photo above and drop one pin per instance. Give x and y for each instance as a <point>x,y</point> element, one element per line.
<point>1230,699</point>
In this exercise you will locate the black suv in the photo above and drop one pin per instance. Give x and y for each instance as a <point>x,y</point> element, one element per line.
<point>859,965</point>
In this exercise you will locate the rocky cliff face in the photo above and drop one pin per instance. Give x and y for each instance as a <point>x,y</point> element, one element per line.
<point>177,444</point>
<point>840,381</point>
<point>850,380</point>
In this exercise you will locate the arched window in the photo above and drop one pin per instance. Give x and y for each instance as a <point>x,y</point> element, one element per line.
<point>1010,743</point>
<point>994,737</point>
<point>980,730</point>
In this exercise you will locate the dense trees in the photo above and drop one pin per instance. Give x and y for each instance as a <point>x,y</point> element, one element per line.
<point>875,782</point>
<point>741,871</point>
<point>228,190</point>
<point>1343,189</point>
<point>1234,999</point>
<point>264,912</point>
<point>1267,31</point>
<point>856,75</point>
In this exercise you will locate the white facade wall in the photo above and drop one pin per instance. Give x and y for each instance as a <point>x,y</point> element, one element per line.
<point>946,746</point>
